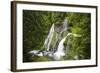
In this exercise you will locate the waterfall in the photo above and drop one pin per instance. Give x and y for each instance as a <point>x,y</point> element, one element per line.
<point>65,25</point>
<point>51,33</point>
<point>60,50</point>
<point>60,34</point>
<point>49,38</point>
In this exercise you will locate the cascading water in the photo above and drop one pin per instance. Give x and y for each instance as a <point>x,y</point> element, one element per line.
<point>58,49</point>
<point>49,38</point>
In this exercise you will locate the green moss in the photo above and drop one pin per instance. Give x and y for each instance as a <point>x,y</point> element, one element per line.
<point>42,58</point>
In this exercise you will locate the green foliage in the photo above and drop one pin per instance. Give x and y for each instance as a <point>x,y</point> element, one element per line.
<point>36,26</point>
<point>80,23</point>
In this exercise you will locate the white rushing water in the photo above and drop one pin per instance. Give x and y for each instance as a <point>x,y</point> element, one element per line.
<point>59,48</point>
<point>49,38</point>
<point>36,52</point>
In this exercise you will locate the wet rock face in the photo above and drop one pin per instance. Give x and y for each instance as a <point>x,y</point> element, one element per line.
<point>58,28</point>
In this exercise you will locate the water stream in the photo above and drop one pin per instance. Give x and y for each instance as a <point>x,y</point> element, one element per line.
<point>59,47</point>
<point>49,38</point>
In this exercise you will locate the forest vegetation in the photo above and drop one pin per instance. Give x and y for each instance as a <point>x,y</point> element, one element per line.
<point>36,26</point>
